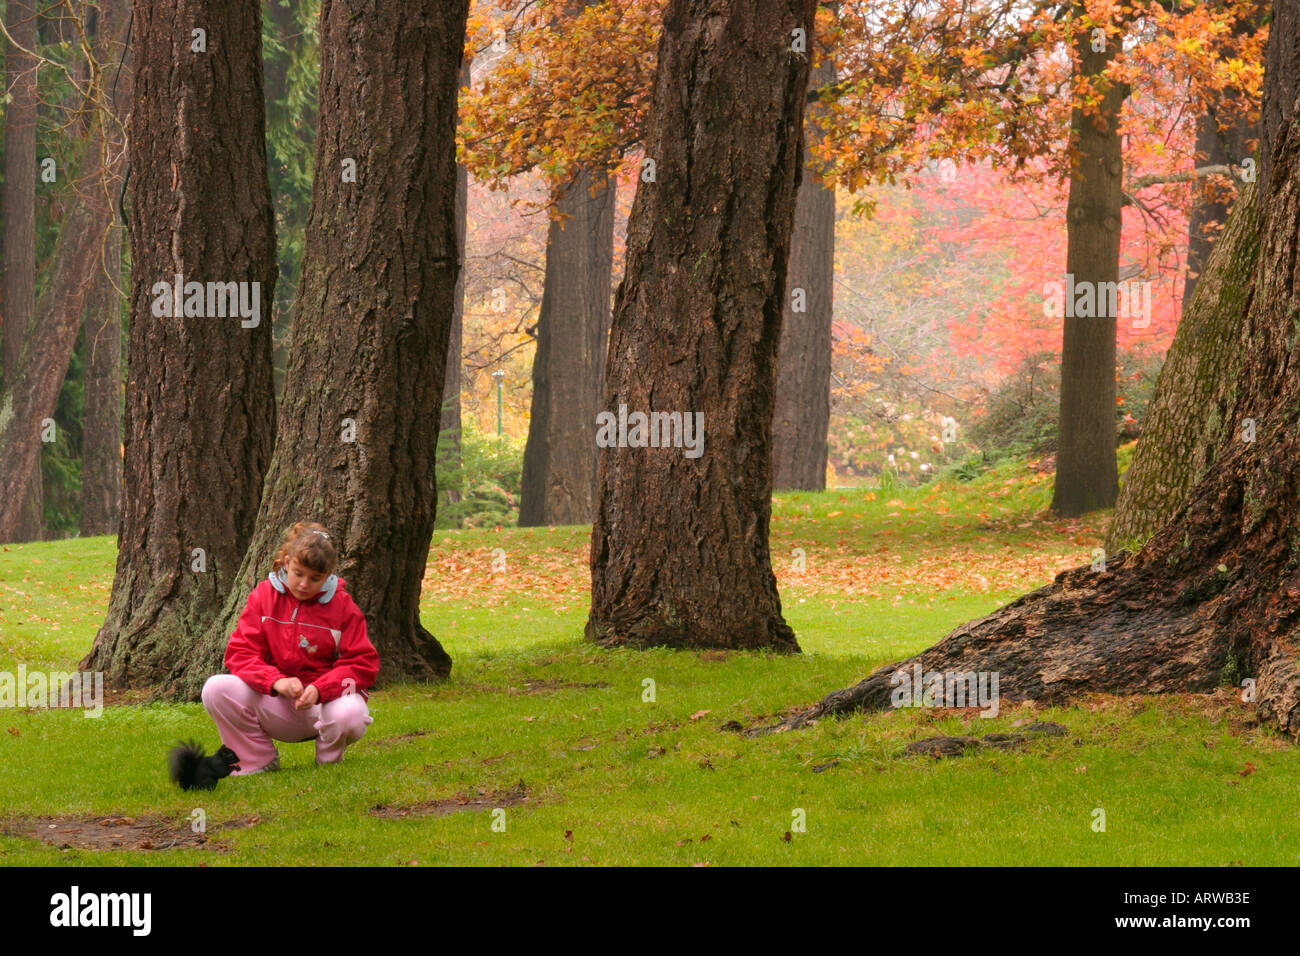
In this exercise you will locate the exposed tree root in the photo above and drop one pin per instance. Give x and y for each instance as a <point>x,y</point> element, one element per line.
<point>1100,631</point>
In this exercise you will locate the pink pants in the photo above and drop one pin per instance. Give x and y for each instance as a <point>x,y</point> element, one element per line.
<point>249,721</point>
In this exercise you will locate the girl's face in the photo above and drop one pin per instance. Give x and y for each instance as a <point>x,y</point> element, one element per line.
<point>303,582</point>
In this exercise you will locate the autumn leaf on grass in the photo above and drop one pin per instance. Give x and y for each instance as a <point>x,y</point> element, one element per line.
<point>1250,768</point>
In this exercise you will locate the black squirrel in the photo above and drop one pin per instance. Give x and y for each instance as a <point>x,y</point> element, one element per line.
<point>191,770</point>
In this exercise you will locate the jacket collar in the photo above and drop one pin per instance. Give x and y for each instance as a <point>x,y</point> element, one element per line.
<point>326,594</point>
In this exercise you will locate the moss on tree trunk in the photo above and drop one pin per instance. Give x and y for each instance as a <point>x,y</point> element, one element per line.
<point>1214,596</point>
<point>1196,391</point>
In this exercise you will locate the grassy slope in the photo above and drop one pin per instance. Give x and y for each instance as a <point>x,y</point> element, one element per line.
<point>658,783</point>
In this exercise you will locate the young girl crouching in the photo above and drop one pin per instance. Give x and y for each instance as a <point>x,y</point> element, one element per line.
<point>299,661</point>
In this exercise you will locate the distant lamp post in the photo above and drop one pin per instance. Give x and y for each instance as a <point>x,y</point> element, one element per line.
<point>500,376</point>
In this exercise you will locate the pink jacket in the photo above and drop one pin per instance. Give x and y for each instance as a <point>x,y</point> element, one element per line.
<point>322,641</point>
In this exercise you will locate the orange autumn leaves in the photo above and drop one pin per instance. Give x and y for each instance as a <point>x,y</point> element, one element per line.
<point>899,555</point>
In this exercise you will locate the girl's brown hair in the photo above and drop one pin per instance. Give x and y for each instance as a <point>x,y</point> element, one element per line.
<point>310,545</point>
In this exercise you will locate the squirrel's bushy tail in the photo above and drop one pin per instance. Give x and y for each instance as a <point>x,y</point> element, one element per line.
<point>191,770</point>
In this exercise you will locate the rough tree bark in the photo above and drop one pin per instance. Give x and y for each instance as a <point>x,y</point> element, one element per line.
<point>1214,596</point>
<point>1196,392</point>
<point>358,422</point>
<point>559,474</point>
<point>18,247</point>
<point>1188,417</point>
<point>1281,85</point>
<point>803,378</point>
<point>679,552</point>
<point>1086,471</point>
<point>200,406</point>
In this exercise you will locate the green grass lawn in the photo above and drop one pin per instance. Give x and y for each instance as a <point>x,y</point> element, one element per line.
<point>553,741</point>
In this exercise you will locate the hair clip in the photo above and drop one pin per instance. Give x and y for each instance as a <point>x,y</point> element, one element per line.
<point>321,533</point>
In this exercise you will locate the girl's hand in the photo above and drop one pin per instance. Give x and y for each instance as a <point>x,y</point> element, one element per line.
<point>289,687</point>
<point>310,695</point>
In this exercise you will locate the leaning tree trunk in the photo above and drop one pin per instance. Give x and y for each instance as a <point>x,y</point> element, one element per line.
<point>1190,415</point>
<point>101,436</point>
<point>200,407</point>
<point>101,442</point>
<point>449,426</point>
<point>1214,596</point>
<point>679,553</point>
<point>803,378</point>
<point>31,394</point>
<point>1086,470</point>
<point>43,362</point>
<point>559,474</point>
<point>358,423</point>
<point>18,256</point>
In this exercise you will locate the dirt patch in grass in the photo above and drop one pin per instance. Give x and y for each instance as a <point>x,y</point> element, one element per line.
<point>124,698</point>
<point>482,800</point>
<point>401,738</point>
<point>551,686</point>
<point>117,833</point>
<point>110,698</point>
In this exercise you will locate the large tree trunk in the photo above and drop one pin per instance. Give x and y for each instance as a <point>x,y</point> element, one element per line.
<point>803,379</point>
<point>1281,86</point>
<point>1086,471</point>
<point>1190,414</point>
<point>18,297</point>
<point>449,427</point>
<point>358,423</point>
<point>559,475</point>
<point>200,406</point>
<point>1214,596</point>
<point>679,553</point>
